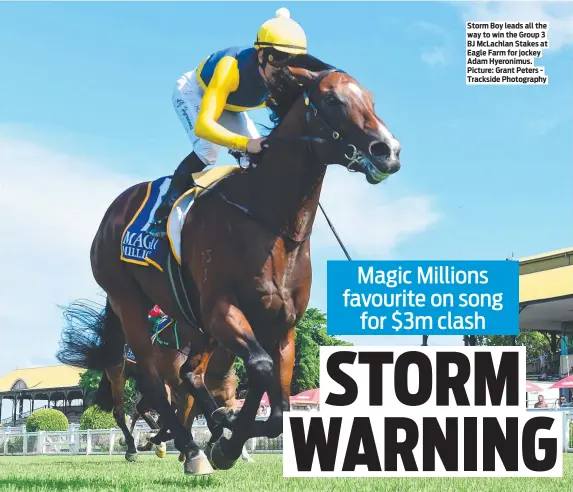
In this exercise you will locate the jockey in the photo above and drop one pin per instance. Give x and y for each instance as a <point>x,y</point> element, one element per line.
<point>211,102</point>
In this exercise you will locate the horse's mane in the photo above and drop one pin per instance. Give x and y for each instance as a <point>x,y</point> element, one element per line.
<point>286,89</point>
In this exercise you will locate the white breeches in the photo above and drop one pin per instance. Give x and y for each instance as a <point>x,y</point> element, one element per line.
<point>187,97</point>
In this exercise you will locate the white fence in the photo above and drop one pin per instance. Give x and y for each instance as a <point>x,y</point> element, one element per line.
<point>18,442</point>
<point>567,425</point>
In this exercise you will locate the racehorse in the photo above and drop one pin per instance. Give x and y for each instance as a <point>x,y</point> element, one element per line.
<point>221,381</point>
<point>245,254</point>
<point>220,377</point>
<point>222,388</point>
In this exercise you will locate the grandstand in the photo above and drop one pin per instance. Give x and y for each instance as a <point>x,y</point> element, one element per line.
<point>24,390</point>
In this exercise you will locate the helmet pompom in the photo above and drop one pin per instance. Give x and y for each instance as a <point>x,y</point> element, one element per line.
<point>283,12</point>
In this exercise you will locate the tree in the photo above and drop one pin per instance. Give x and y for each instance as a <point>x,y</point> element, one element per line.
<point>47,419</point>
<point>89,381</point>
<point>310,335</point>
<point>95,418</point>
<point>536,343</point>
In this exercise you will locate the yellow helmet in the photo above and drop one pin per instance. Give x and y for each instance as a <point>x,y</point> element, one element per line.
<point>282,34</point>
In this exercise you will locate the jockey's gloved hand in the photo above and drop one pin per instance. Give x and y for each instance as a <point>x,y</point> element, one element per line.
<point>257,158</point>
<point>255,145</point>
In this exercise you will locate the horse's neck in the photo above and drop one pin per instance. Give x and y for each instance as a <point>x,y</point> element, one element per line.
<point>285,187</point>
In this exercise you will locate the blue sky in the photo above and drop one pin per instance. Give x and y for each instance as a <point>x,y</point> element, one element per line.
<point>85,110</point>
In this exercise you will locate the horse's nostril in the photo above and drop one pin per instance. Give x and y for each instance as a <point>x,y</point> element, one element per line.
<point>379,149</point>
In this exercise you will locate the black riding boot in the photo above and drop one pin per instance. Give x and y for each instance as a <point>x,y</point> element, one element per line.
<point>182,181</point>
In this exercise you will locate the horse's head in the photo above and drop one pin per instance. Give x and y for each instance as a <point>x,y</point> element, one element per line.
<point>341,112</point>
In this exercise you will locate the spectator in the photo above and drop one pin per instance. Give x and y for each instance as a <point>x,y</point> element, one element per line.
<point>563,402</point>
<point>541,403</point>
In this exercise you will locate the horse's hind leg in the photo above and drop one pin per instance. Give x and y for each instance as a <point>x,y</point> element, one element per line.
<point>116,376</point>
<point>133,316</point>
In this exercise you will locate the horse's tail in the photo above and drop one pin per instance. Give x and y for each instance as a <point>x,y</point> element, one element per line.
<point>104,397</point>
<point>92,339</point>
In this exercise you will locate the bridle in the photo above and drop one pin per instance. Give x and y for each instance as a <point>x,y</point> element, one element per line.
<point>352,155</point>
<point>354,158</point>
<point>312,110</point>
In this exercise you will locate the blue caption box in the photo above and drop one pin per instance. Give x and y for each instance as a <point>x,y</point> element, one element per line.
<point>423,297</point>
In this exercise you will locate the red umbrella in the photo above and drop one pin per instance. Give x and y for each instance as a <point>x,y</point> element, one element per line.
<point>308,396</point>
<point>565,383</point>
<point>531,387</point>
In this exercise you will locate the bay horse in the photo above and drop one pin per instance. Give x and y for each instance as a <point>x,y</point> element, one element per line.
<point>245,254</point>
<point>220,380</point>
<point>84,325</point>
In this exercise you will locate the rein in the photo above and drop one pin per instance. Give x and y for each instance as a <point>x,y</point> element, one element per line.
<point>312,110</point>
<point>353,158</point>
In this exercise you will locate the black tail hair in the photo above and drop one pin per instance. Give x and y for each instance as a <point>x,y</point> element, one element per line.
<point>93,339</point>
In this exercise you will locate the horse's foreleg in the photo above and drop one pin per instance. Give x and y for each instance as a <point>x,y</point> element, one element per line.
<point>133,316</point>
<point>163,435</point>
<point>234,332</point>
<point>279,392</point>
<point>187,411</point>
<point>194,378</point>
<point>142,410</point>
<point>226,393</point>
<point>146,416</point>
<point>225,451</point>
<point>135,416</point>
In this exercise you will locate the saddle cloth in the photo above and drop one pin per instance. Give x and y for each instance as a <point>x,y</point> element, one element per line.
<point>138,246</point>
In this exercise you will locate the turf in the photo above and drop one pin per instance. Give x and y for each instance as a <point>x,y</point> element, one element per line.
<point>150,474</point>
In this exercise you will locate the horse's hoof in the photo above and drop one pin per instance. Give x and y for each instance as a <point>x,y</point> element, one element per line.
<point>199,465</point>
<point>218,459</point>
<point>181,458</point>
<point>122,442</point>
<point>131,457</point>
<point>161,450</point>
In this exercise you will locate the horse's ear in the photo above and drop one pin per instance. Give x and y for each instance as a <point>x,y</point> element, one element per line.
<point>303,76</point>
